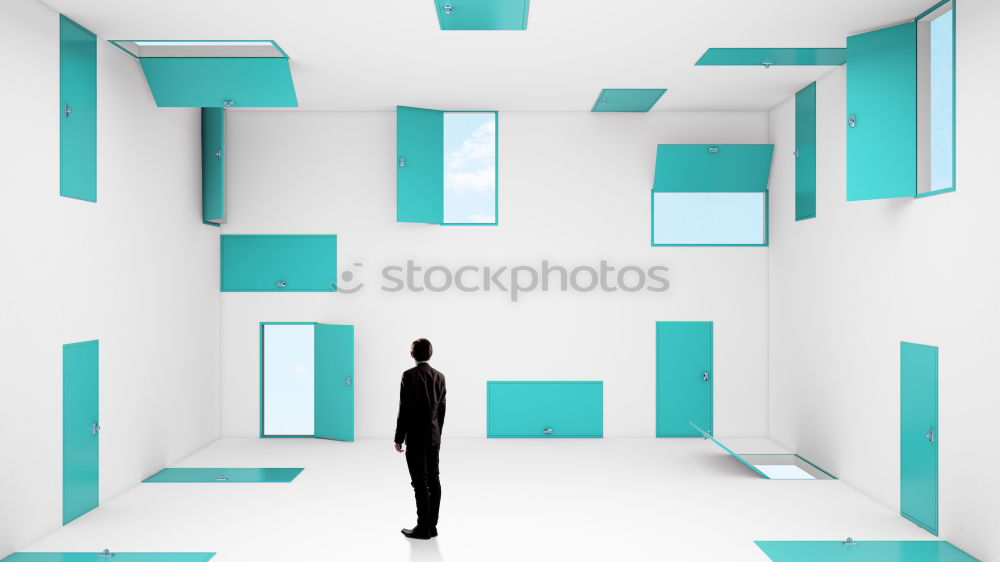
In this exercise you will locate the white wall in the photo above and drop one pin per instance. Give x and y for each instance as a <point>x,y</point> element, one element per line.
<point>574,189</point>
<point>138,271</point>
<point>849,285</point>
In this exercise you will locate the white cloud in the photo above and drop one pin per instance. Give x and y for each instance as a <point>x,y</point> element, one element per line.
<point>472,166</point>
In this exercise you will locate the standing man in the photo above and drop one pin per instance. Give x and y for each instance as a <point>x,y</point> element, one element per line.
<point>419,423</point>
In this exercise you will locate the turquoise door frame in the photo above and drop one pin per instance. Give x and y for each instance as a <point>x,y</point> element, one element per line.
<point>334,382</point>
<point>919,434</point>
<point>77,111</point>
<point>882,113</point>
<point>684,378</point>
<point>213,165</point>
<point>81,428</point>
<point>544,409</point>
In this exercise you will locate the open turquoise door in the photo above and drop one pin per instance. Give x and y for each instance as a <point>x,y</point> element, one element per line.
<point>684,378</point>
<point>805,153</point>
<point>334,382</point>
<point>213,167</point>
<point>81,439</point>
<point>420,165</point>
<point>882,113</point>
<point>77,112</point>
<point>918,441</point>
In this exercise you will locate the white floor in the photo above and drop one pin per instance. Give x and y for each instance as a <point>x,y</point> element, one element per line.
<point>503,499</point>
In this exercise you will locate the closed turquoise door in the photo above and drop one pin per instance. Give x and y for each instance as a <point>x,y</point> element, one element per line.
<point>684,378</point>
<point>213,164</point>
<point>419,165</point>
<point>863,551</point>
<point>334,382</point>
<point>805,153</point>
<point>77,111</point>
<point>882,113</point>
<point>81,437</point>
<point>545,408</point>
<point>918,442</point>
<point>276,262</point>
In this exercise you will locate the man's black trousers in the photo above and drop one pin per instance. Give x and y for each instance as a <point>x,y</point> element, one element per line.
<point>422,462</point>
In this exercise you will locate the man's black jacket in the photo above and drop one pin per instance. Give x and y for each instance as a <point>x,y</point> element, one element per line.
<point>421,407</point>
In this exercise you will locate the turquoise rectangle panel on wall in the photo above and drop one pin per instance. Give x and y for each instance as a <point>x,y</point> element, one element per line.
<point>882,113</point>
<point>279,262</point>
<point>627,99</point>
<point>712,167</point>
<point>81,428</point>
<point>863,551</point>
<point>773,56</point>
<point>476,15</point>
<point>805,153</point>
<point>118,557</point>
<point>420,165</point>
<point>919,434</point>
<point>77,111</point>
<point>545,408</point>
<point>224,475</point>
<point>211,82</point>
<point>213,167</point>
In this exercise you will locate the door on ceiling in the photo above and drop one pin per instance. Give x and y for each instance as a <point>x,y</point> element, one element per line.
<point>307,380</point>
<point>81,429</point>
<point>918,441</point>
<point>684,378</point>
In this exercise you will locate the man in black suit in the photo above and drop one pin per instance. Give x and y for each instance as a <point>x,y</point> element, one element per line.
<point>419,423</point>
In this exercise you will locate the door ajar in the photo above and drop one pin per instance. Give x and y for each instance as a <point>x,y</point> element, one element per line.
<point>918,440</point>
<point>81,427</point>
<point>334,382</point>
<point>684,378</point>
<point>419,165</point>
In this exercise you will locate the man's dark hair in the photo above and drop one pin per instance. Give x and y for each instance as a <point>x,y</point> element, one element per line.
<point>422,349</point>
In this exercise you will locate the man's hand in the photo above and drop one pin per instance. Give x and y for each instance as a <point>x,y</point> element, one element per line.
<point>399,447</point>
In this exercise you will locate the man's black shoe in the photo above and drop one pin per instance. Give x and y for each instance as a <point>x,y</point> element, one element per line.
<point>416,533</point>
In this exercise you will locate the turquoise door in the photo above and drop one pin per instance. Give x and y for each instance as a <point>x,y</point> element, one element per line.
<point>213,81</point>
<point>882,113</point>
<point>805,153</point>
<point>419,165</point>
<point>863,551</point>
<point>213,164</point>
<point>918,442</point>
<point>334,382</point>
<point>545,408</point>
<point>78,111</point>
<point>81,429</point>
<point>276,262</point>
<point>684,378</point>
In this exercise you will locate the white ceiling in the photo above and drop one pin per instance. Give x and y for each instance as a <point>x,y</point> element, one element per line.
<point>372,55</point>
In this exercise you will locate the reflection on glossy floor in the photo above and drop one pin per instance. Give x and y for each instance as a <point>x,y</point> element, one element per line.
<point>503,499</point>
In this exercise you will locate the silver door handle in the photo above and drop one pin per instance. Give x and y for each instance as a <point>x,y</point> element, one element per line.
<point>282,284</point>
<point>348,381</point>
<point>222,478</point>
<point>705,376</point>
<point>106,553</point>
<point>930,435</point>
<point>402,162</point>
<point>852,121</point>
<point>218,154</point>
<point>95,428</point>
<point>67,110</point>
<point>547,431</point>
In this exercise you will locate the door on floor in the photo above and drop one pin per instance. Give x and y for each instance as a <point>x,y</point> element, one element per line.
<point>307,380</point>
<point>918,442</point>
<point>81,429</point>
<point>684,378</point>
